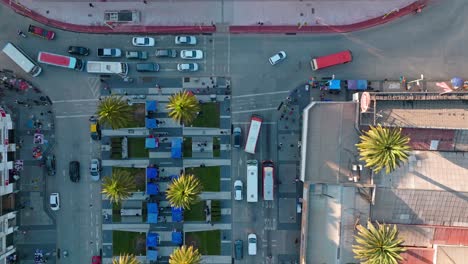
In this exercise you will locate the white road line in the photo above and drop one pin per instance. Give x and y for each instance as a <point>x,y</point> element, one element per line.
<point>259,94</point>
<point>254,110</point>
<point>72,116</point>
<point>73,101</point>
<point>247,123</point>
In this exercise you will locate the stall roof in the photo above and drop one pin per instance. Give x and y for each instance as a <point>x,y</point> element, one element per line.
<point>151,123</point>
<point>151,143</point>
<point>177,238</point>
<point>152,188</point>
<point>177,214</point>
<point>151,106</point>
<point>152,240</point>
<point>151,173</point>
<point>335,84</point>
<point>152,255</point>
<point>176,149</point>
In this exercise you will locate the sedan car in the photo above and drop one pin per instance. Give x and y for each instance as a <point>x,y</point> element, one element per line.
<point>143,41</point>
<point>74,171</point>
<point>54,201</point>
<point>187,67</point>
<point>252,239</point>
<point>50,165</point>
<point>277,57</point>
<point>238,190</point>
<point>189,40</point>
<point>191,54</point>
<point>95,169</point>
<point>237,132</point>
<point>147,67</point>
<point>76,50</point>
<point>169,53</point>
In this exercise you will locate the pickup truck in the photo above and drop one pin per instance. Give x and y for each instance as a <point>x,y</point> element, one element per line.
<point>109,52</point>
<point>40,32</point>
<point>140,55</point>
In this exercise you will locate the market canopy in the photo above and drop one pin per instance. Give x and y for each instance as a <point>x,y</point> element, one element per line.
<point>152,213</point>
<point>151,123</point>
<point>177,238</point>
<point>151,143</point>
<point>176,148</point>
<point>152,188</point>
<point>152,255</point>
<point>151,106</point>
<point>177,214</point>
<point>335,84</point>
<point>151,173</point>
<point>357,85</point>
<point>152,240</point>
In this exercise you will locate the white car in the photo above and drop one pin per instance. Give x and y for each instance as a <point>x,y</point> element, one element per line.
<point>238,190</point>
<point>143,41</point>
<point>191,54</point>
<point>277,57</point>
<point>54,201</point>
<point>188,40</point>
<point>252,239</point>
<point>187,67</point>
<point>95,169</point>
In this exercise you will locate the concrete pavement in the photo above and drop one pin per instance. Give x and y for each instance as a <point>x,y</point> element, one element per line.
<point>208,16</point>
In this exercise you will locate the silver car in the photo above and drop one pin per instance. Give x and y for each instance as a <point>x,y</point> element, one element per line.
<point>54,201</point>
<point>95,169</point>
<point>187,67</point>
<point>187,40</point>
<point>238,190</point>
<point>191,54</point>
<point>277,57</point>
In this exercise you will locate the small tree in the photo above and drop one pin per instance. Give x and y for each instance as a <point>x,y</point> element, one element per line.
<point>119,186</point>
<point>383,148</point>
<point>379,245</point>
<point>185,255</point>
<point>114,112</point>
<point>184,191</point>
<point>183,107</point>
<point>125,259</point>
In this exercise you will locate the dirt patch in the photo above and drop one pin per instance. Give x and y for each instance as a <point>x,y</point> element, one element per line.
<point>140,245</point>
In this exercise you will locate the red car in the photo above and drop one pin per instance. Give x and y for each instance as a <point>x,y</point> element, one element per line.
<point>96,260</point>
<point>40,32</point>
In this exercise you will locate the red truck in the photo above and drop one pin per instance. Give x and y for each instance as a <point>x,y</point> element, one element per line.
<point>40,32</point>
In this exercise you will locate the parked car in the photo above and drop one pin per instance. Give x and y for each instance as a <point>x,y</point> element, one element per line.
<point>77,50</point>
<point>238,249</point>
<point>95,169</point>
<point>252,239</point>
<point>139,55</point>
<point>147,67</point>
<point>42,33</point>
<point>54,201</point>
<point>143,41</point>
<point>191,54</point>
<point>74,171</point>
<point>50,165</point>
<point>170,53</point>
<point>109,52</point>
<point>237,132</point>
<point>187,67</point>
<point>96,260</point>
<point>238,190</point>
<point>94,128</point>
<point>277,57</point>
<point>188,40</point>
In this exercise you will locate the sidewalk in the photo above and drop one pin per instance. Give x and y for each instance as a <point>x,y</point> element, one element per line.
<point>208,16</point>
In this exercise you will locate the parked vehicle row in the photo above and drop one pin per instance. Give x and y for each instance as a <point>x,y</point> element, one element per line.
<point>143,55</point>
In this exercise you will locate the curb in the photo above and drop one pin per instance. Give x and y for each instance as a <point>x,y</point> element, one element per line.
<point>288,29</point>
<point>331,28</point>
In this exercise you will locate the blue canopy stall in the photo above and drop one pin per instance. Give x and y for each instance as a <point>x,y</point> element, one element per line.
<point>360,85</point>
<point>151,123</point>
<point>152,188</point>
<point>177,214</point>
<point>151,173</point>
<point>177,238</point>
<point>151,143</point>
<point>335,85</point>
<point>176,148</point>
<point>152,240</point>
<point>152,213</point>
<point>151,106</point>
<point>152,255</point>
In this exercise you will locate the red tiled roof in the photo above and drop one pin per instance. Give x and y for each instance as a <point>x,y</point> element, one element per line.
<point>450,236</point>
<point>418,256</point>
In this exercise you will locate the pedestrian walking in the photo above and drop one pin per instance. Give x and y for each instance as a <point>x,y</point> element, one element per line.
<point>91,5</point>
<point>145,2</point>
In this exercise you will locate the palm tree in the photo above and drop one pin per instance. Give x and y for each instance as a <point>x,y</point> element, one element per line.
<point>119,186</point>
<point>185,255</point>
<point>379,245</point>
<point>125,259</point>
<point>383,147</point>
<point>114,111</point>
<point>184,191</point>
<point>183,107</point>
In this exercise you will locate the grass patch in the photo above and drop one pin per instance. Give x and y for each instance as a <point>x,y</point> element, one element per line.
<point>116,213</point>
<point>215,211</point>
<point>136,148</point>
<point>209,116</point>
<point>187,147</point>
<point>128,242</point>
<point>138,117</point>
<point>216,147</point>
<point>139,174</point>
<point>208,176</point>
<point>207,242</point>
<point>196,212</point>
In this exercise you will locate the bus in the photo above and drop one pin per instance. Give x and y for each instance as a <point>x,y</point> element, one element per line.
<point>252,181</point>
<point>21,59</point>
<point>107,67</point>
<point>254,132</point>
<point>268,169</point>
<point>331,60</point>
<point>60,60</point>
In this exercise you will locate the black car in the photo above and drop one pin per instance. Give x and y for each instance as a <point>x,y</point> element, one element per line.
<point>238,249</point>
<point>50,165</point>
<point>147,67</point>
<point>74,171</point>
<point>170,53</point>
<point>76,50</point>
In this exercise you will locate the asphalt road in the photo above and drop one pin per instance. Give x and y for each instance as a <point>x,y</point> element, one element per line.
<point>431,43</point>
